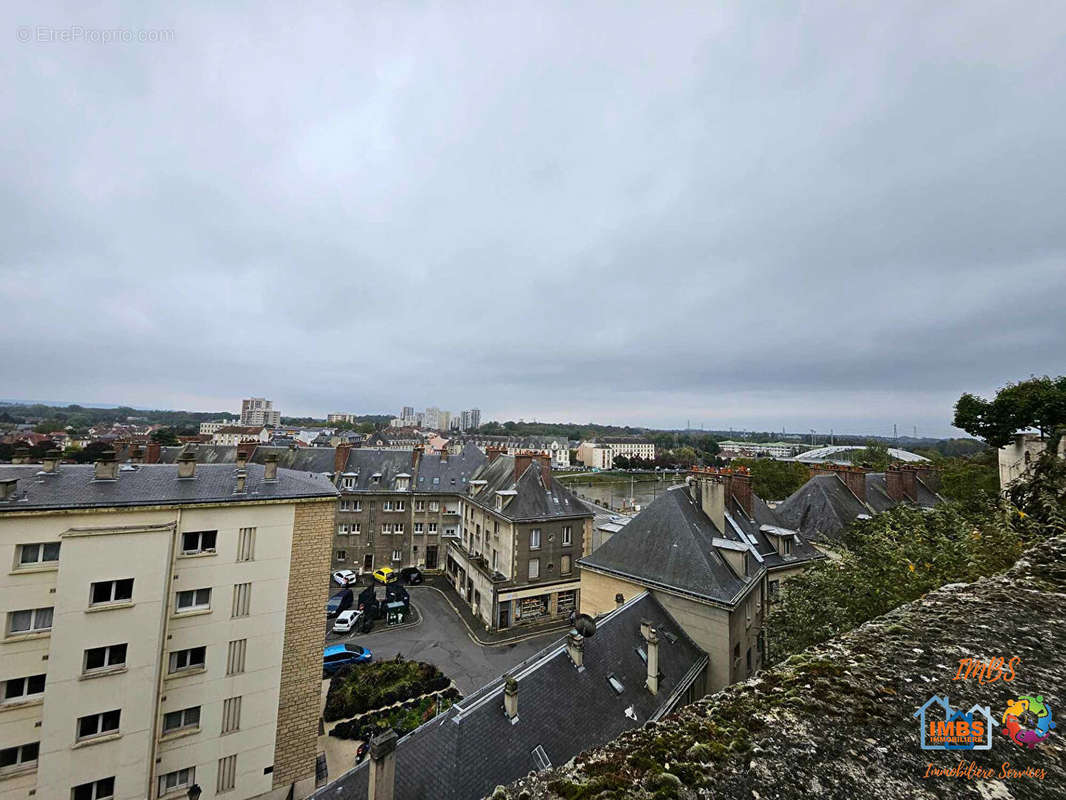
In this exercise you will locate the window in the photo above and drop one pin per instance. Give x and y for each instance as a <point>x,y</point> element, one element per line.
<point>103,789</point>
<point>534,539</point>
<point>418,527</point>
<point>231,714</point>
<point>188,659</point>
<point>186,719</point>
<point>494,558</point>
<point>788,545</point>
<point>227,774</point>
<point>31,620</point>
<point>242,599</point>
<point>102,592</point>
<point>194,599</point>
<point>30,555</point>
<point>235,656</point>
<point>496,528</point>
<point>193,542</point>
<point>342,555</point>
<point>355,528</point>
<point>386,505</point>
<point>615,683</point>
<point>385,527</point>
<point>564,564</point>
<point>433,527</point>
<point>101,658</point>
<point>343,529</point>
<point>396,555</point>
<point>98,724</point>
<point>346,505</point>
<point>17,690</point>
<point>246,544</point>
<point>420,505</point>
<point>348,483</point>
<point>749,659</point>
<point>178,779</point>
<point>17,758</point>
<point>397,527</point>
<point>534,568</point>
<point>357,505</point>
<point>400,505</point>
<point>434,505</point>
<point>568,536</point>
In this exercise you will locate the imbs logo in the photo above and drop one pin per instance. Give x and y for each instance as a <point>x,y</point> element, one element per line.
<point>957,730</point>
<point>1027,721</point>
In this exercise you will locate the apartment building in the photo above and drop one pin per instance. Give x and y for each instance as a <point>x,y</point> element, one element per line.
<point>233,435</point>
<point>522,535</point>
<point>555,448</point>
<point>259,411</point>
<point>162,629</point>
<point>601,452</point>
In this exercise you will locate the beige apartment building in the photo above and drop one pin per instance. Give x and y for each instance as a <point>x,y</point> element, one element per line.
<point>601,452</point>
<point>162,629</point>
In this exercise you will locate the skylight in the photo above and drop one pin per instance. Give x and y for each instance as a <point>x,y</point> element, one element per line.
<point>615,684</point>
<point>541,758</point>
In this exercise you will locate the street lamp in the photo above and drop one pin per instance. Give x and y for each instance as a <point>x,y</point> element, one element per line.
<point>195,791</point>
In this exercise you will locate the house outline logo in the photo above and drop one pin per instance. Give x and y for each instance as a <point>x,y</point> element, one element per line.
<point>958,731</point>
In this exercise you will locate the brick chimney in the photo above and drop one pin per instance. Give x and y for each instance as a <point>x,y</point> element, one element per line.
<point>575,648</point>
<point>51,462</point>
<point>711,494</point>
<point>187,464</point>
<point>910,483</point>
<point>855,479</point>
<point>740,485</point>
<point>106,466</point>
<point>444,454</point>
<point>521,464</point>
<point>510,698</point>
<point>894,483</point>
<point>21,456</point>
<point>382,781</point>
<point>651,641</point>
<point>340,457</point>
<point>929,475</point>
<point>153,453</point>
<point>270,467</point>
<point>493,452</point>
<point>136,455</point>
<point>546,471</point>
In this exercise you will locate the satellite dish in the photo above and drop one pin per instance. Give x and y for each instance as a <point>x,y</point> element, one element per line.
<point>585,625</point>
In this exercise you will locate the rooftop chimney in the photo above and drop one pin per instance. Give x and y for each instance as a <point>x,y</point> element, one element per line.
<point>510,698</point>
<point>521,464</point>
<point>136,455</point>
<point>51,461</point>
<point>712,499</point>
<point>416,457</point>
<point>910,482</point>
<point>929,475</point>
<point>242,479</point>
<point>106,466</point>
<point>242,457</point>
<point>855,478</point>
<point>21,456</point>
<point>740,486</point>
<point>152,456</point>
<point>493,452</point>
<point>382,781</point>
<point>619,600</point>
<point>546,471</point>
<point>444,454</point>
<point>187,464</point>
<point>7,488</point>
<point>652,643</point>
<point>340,458</point>
<point>896,484</point>
<point>270,467</point>
<point>575,648</point>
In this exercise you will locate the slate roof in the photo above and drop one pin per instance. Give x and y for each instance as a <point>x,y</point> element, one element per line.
<point>473,747</point>
<point>74,486</point>
<point>451,474</point>
<point>669,544</point>
<point>802,551</point>
<point>534,500</point>
<point>205,453</point>
<point>367,463</point>
<point>303,459</point>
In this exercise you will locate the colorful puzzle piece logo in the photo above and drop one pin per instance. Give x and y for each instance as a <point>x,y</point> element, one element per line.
<point>1027,721</point>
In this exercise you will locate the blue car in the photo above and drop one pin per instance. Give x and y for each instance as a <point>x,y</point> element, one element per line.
<point>338,655</point>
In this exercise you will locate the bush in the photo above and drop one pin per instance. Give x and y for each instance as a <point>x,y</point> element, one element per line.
<point>403,718</point>
<point>364,687</point>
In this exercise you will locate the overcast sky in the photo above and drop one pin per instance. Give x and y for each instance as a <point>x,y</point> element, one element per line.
<point>842,216</point>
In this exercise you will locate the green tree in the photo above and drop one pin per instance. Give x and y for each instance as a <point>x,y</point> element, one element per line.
<point>774,480</point>
<point>165,436</point>
<point>1036,403</point>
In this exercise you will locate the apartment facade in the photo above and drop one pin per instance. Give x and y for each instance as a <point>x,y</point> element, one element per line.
<point>233,435</point>
<point>522,535</point>
<point>259,411</point>
<point>555,448</point>
<point>600,453</point>
<point>162,629</point>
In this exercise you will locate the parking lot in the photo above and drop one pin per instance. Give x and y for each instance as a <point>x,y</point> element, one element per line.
<point>440,638</point>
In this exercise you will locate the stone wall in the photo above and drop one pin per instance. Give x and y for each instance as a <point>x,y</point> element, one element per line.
<point>837,721</point>
<point>295,745</point>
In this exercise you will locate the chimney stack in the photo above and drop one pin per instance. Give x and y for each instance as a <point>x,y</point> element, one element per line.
<point>510,698</point>
<point>51,462</point>
<point>136,455</point>
<point>855,479</point>
<point>382,781</point>
<point>929,475</point>
<point>152,456</point>
<point>187,464</point>
<point>106,466</point>
<point>416,457</point>
<point>910,482</point>
<point>340,458</point>
<point>619,600</point>
<point>21,456</point>
<point>444,454</point>
<point>575,648</point>
<point>645,628</point>
<point>712,499</point>
<point>242,479</point>
<point>740,486</point>
<point>242,456</point>
<point>546,471</point>
<point>493,452</point>
<point>270,467</point>
<point>652,643</point>
<point>521,464</point>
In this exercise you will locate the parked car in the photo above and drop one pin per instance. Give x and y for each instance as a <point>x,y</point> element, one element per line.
<point>340,602</point>
<point>345,577</point>
<point>361,751</point>
<point>386,575</point>
<point>396,593</point>
<point>336,656</point>
<point>347,621</point>
<point>411,575</point>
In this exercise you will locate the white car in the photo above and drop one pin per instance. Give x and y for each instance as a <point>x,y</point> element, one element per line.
<point>347,621</point>
<point>345,577</point>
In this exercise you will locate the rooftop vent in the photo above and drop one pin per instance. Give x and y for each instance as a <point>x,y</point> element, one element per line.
<point>187,465</point>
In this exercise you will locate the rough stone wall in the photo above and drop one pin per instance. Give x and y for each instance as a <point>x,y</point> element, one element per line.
<point>836,721</point>
<point>295,743</point>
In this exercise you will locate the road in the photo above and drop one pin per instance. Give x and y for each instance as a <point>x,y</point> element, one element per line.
<point>441,639</point>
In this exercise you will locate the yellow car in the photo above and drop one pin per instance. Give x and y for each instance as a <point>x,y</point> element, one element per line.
<point>386,575</point>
